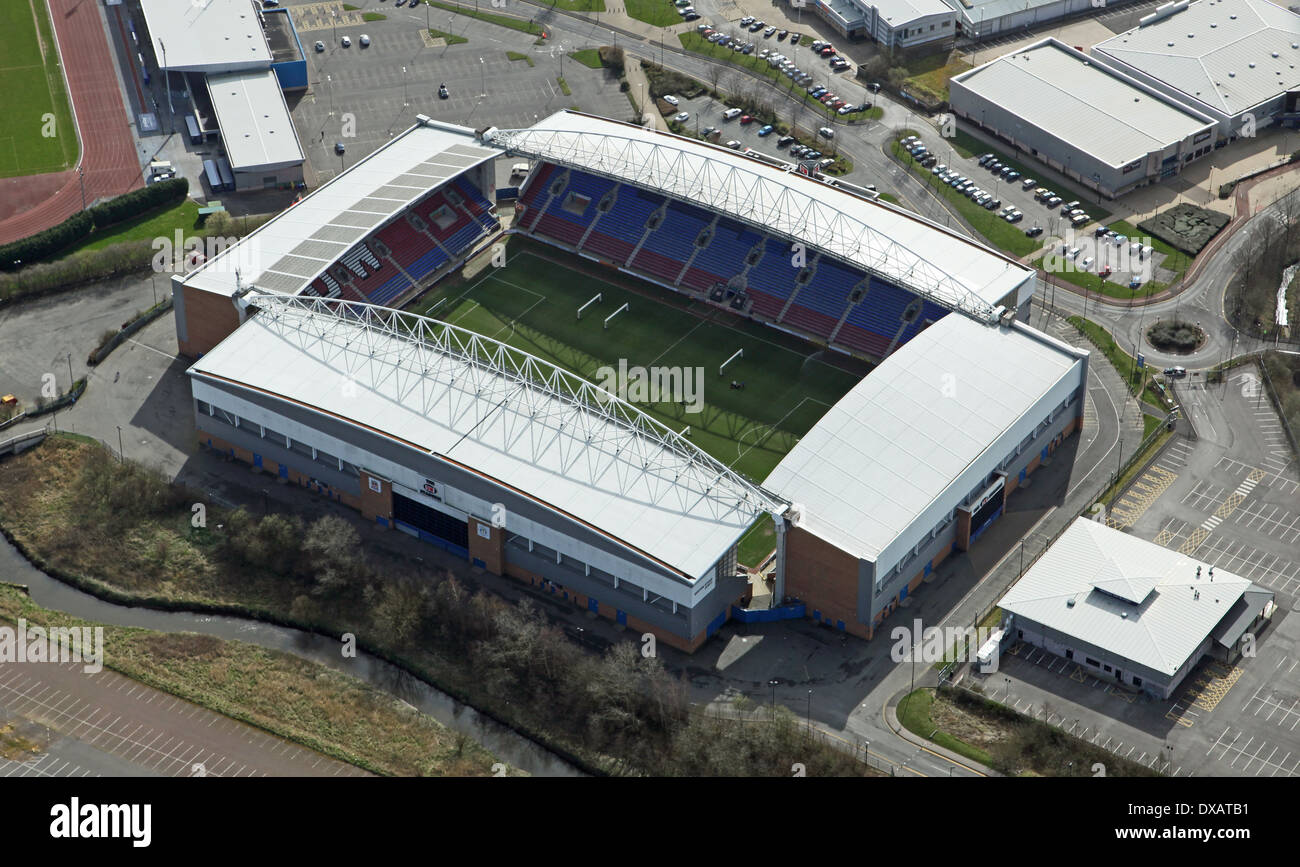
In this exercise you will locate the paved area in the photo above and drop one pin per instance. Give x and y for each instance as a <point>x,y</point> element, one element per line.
<point>364,96</point>
<point>106,723</point>
<point>28,205</point>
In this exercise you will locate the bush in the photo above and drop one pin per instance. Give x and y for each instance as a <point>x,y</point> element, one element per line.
<point>137,202</point>
<point>611,57</point>
<point>1173,336</point>
<point>45,244</point>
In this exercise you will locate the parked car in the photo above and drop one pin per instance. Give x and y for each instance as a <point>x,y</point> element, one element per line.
<point>1135,283</point>
<point>745,119</point>
<point>744,22</point>
<point>320,46</point>
<point>782,34</point>
<point>1086,263</point>
<point>671,100</point>
<point>733,144</point>
<point>682,116</point>
<point>442,91</point>
<point>1101,230</point>
<point>339,147</point>
<point>1053,201</point>
<point>365,41</point>
<point>1033,231</point>
<point>1027,183</point>
<point>794,38</point>
<point>1175,372</point>
<point>766,130</point>
<point>767,34</point>
<point>1104,272</point>
<point>346,42</point>
<point>784,140</point>
<point>1080,220</point>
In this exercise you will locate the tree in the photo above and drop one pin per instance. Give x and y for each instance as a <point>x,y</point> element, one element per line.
<point>331,554</point>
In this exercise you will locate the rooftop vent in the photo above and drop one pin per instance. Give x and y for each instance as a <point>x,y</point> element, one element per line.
<point>1123,615</point>
<point>1069,603</point>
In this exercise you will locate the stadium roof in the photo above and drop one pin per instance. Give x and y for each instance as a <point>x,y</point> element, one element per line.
<point>892,243</point>
<point>1068,589</point>
<point>254,120</point>
<point>298,244</point>
<point>206,35</point>
<point>884,455</point>
<point>1229,55</point>
<point>498,412</point>
<point>1060,91</point>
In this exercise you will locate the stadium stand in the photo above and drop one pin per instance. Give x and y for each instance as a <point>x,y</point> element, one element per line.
<point>681,244</point>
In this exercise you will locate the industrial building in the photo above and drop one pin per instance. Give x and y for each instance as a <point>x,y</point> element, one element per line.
<point>904,25</point>
<point>1131,611</point>
<point>306,373</point>
<point>984,19</point>
<point>1100,127</point>
<point>236,59</point>
<point>1234,61</point>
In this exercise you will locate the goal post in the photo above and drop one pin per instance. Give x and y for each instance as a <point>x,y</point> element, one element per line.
<point>615,313</point>
<point>595,299</point>
<point>739,353</point>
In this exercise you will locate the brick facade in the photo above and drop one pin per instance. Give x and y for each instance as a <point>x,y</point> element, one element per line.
<point>209,319</point>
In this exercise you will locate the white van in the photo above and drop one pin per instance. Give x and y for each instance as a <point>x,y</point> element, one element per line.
<point>519,170</point>
<point>731,114</point>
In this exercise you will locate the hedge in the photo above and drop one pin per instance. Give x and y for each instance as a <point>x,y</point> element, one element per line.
<point>42,245</point>
<point>139,201</point>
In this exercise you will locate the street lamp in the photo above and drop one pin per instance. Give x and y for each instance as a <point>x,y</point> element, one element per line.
<point>404,102</point>
<point>81,176</point>
<point>772,683</point>
<point>121,454</point>
<point>166,77</point>
<point>810,711</point>
<point>482,70</point>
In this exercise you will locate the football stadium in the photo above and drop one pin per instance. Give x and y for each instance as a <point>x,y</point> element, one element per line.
<point>650,380</point>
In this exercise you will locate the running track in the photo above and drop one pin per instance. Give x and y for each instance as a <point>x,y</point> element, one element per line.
<point>108,155</point>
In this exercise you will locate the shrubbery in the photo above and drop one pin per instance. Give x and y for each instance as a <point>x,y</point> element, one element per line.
<point>137,202</point>
<point>1175,336</point>
<point>611,58</point>
<point>42,245</point>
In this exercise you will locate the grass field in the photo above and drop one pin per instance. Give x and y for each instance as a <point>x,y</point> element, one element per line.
<point>31,89</point>
<point>155,224</point>
<point>660,13</point>
<point>531,304</point>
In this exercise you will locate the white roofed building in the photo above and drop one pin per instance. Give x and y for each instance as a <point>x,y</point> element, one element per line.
<point>1089,122</point>
<point>261,143</point>
<point>897,24</point>
<point>1235,61</point>
<point>207,35</point>
<point>1128,610</point>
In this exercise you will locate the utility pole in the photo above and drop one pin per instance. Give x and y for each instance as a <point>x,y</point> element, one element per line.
<point>167,85</point>
<point>121,454</point>
<point>69,372</point>
<point>81,175</point>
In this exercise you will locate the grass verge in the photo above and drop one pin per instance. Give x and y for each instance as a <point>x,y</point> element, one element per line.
<point>1125,365</point>
<point>564,86</point>
<point>519,55</point>
<point>157,224</point>
<point>449,38</point>
<point>660,13</point>
<point>373,16</point>
<point>588,57</point>
<point>519,24</point>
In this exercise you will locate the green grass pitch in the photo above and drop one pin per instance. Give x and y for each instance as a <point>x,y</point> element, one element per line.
<point>532,304</point>
<point>32,86</point>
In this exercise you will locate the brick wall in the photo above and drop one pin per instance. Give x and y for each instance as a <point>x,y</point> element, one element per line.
<point>490,548</point>
<point>209,318</point>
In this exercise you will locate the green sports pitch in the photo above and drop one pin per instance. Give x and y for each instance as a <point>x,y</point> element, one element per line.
<point>38,134</point>
<point>532,304</point>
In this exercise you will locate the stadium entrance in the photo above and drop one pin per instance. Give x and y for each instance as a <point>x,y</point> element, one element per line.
<point>430,525</point>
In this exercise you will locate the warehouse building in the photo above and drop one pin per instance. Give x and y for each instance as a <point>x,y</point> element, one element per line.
<point>1130,610</point>
<point>1234,61</point>
<point>905,25</point>
<point>235,59</point>
<point>917,461</point>
<point>1097,126</point>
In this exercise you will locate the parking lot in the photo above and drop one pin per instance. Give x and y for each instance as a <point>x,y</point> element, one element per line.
<point>707,112</point>
<point>362,97</point>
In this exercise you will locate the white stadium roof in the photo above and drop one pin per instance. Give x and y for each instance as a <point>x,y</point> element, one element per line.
<point>206,35</point>
<point>1229,55</point>
<point>1125,595</point>
<point>1058,90</point>
<point>254,120</point>
<point>498,412</point>
<point>883,456</point>
<point>294,248</point>
<point>892,243</point>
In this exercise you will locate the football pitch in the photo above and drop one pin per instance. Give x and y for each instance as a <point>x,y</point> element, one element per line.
<point>532,304</point>
<point>38,134</point>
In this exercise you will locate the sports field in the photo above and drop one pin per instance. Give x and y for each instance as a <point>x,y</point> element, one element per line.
<point>31,89</point>
<point>532,304</point>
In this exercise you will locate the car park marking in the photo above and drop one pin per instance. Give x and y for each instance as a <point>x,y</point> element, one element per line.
<point>1148,488</point>
<point>1253,751</point>
<point>1283,712</point>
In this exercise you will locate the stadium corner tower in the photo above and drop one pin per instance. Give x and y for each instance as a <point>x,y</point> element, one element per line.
<point>307,370</point>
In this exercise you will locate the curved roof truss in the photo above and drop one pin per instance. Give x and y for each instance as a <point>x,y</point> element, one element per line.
<point>748,195</point>
<point>597,430</point>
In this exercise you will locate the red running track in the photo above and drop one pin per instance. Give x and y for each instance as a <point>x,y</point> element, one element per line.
<point>108,156</point>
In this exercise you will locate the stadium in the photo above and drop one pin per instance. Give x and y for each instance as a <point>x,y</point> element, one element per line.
<point>395,342</point>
